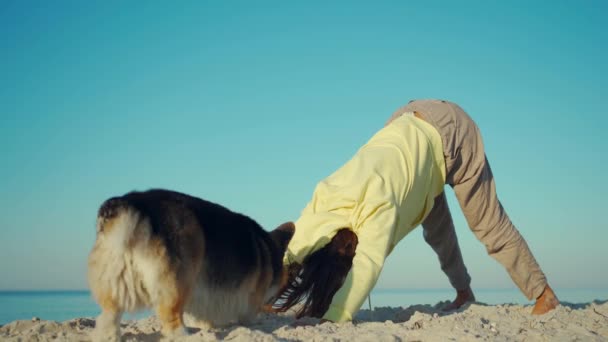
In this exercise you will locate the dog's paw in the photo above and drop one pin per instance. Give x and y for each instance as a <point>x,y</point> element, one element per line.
<point>105,335</point>
<point>175,334</point>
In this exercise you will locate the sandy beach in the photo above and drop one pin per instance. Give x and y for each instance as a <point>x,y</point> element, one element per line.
<point>569,322</point>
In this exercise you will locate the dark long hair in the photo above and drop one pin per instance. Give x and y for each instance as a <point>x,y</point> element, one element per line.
<point>318,278</point>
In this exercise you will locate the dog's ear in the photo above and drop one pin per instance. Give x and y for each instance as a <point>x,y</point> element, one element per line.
<point>283,234</point>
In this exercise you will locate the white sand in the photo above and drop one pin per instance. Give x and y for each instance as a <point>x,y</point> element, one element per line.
<point>569,322</point>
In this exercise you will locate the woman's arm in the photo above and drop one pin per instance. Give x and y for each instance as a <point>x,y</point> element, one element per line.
<point>375,236</point>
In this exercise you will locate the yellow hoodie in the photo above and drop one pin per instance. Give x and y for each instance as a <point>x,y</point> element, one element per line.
<point>382,193</point>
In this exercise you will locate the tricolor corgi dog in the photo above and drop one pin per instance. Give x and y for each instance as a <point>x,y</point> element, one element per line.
<point>183,257</point>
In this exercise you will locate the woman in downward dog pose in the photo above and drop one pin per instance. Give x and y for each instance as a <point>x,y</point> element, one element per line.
<point>391,185</point>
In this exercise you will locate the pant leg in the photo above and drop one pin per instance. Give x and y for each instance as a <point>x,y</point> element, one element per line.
<point>469,173</point>
<point>491,225</point>
<point>439,233</point>
<point>475,189</point>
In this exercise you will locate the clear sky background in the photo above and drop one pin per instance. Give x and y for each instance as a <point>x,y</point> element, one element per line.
<point>250,104</point>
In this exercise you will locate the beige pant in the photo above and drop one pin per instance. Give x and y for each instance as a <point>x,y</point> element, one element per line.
<point>469,174</point>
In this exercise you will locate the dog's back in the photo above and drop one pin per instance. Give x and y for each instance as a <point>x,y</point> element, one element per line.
<point>180,254</point>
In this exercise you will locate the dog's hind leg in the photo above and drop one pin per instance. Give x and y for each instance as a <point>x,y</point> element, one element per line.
<point>171,317</point>
<point>170,311</point>
<point>107,325</point>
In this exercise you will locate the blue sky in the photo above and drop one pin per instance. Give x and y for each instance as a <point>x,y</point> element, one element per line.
<point>250,105</point>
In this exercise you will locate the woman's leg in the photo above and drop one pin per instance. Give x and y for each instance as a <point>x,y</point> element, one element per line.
<point>469,173</point>
<point>439,233</point>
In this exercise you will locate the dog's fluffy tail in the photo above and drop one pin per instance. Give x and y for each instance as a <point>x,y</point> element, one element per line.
<point>117,221</point>
<point>112,274</point>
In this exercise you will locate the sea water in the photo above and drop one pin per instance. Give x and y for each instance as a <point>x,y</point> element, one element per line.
<point>65,305</point>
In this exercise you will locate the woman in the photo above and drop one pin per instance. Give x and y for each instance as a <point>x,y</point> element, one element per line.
<point>393,183</point>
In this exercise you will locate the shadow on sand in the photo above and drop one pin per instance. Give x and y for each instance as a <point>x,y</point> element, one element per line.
<point>403,314</point>
<point>268,323</point>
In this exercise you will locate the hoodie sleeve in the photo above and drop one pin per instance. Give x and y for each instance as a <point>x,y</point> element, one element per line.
<point>375,236</point>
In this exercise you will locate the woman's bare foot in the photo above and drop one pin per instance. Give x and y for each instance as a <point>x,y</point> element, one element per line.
<point>462,297</point>
<point>546,302</point>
